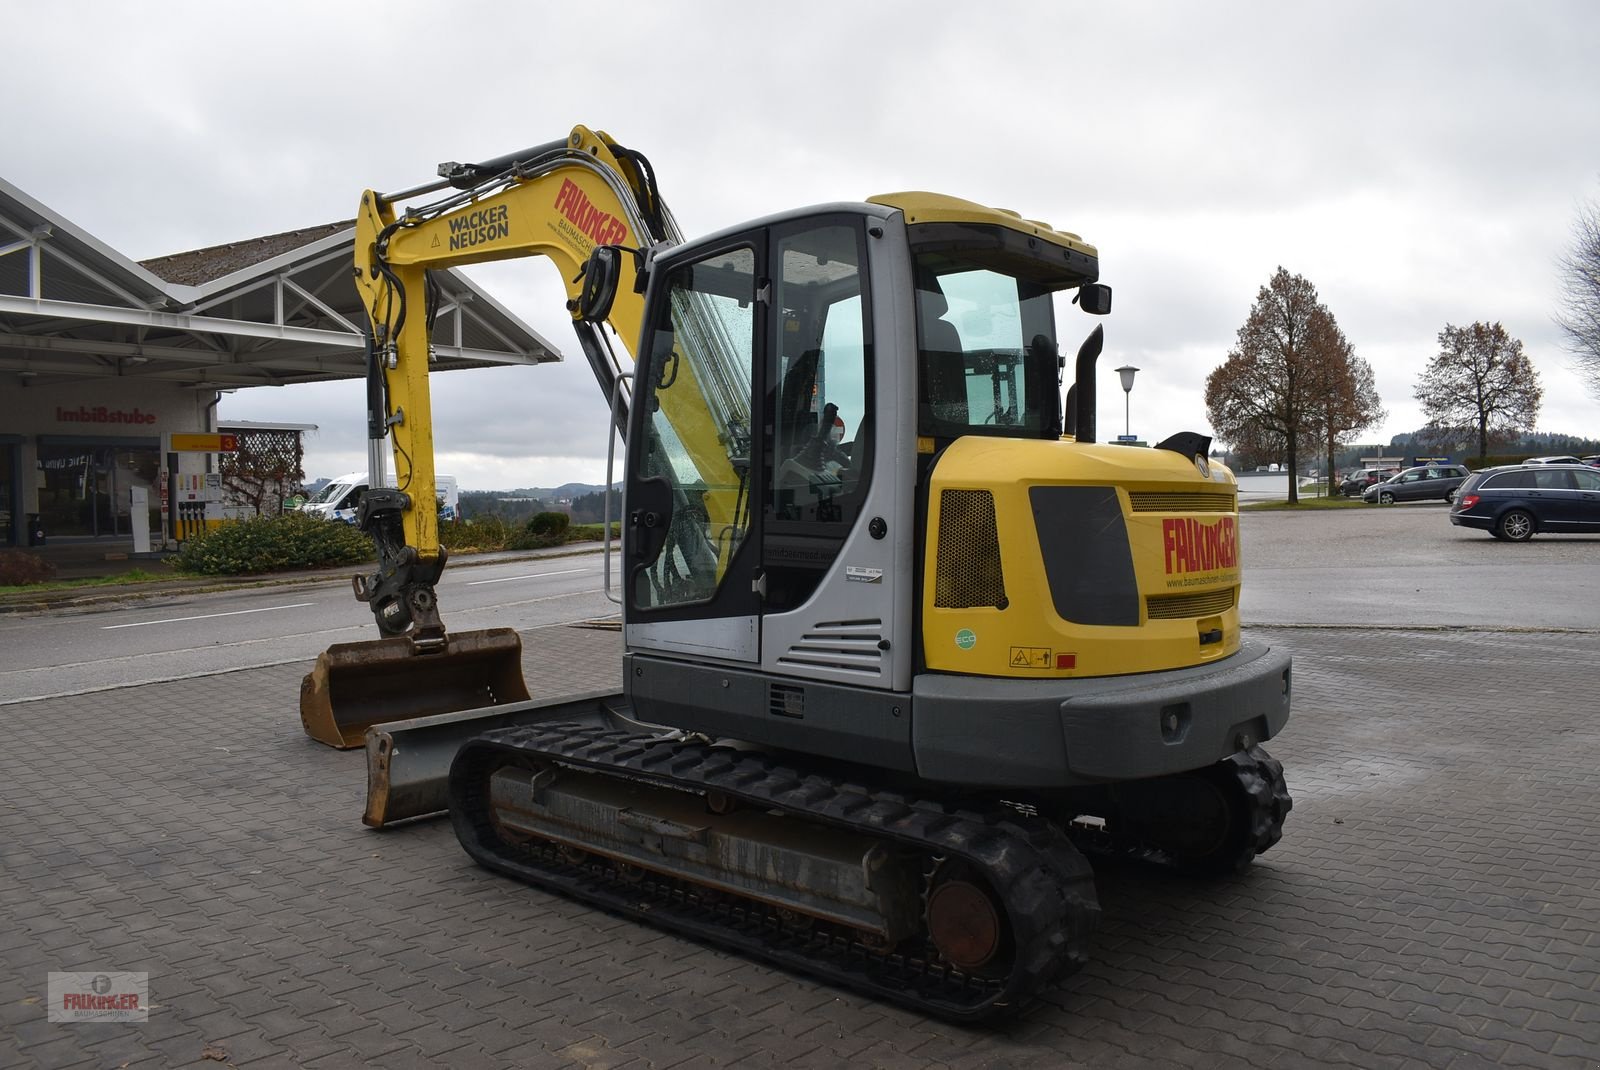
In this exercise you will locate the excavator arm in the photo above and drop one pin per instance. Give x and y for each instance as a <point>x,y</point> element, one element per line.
<point>561,201</point>
<point>584,203</point>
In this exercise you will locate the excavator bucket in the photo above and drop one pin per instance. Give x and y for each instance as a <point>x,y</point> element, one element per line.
<point>357,685</point>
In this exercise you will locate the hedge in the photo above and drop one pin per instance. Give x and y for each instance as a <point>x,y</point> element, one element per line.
<point>274,544</point>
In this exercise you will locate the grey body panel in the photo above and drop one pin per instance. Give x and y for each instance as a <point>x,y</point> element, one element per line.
<point>831,720</point>
<point>983,731</point>
<point>1064,733</point>
<point>717,637</point>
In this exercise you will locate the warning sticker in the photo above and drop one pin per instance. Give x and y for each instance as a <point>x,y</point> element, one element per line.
<point>1030,657</point>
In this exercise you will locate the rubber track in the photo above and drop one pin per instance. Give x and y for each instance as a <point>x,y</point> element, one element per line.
<point>1264,804</point>
<point>1046,885</point>
<point>1260,777</point>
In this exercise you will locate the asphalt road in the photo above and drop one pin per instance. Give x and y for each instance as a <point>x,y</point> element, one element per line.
<point>145,641</point>
<point>1408,566</point>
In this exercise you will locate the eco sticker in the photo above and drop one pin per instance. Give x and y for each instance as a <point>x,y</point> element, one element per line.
<point>965,639</point>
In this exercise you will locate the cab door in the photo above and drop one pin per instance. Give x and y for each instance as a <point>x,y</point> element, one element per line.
<point>691,539</point>
<point>751,454</point>
<point>832,583</point>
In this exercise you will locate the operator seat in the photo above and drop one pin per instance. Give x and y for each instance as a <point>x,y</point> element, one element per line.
<point>942,387</point>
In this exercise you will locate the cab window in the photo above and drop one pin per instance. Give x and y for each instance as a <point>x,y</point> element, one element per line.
<point>696,442</point>
<point>821,403</point>
<point>986,351</point>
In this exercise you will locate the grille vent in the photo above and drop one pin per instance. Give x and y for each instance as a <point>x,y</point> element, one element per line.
<point>968,572</point>
<point>1179,606</point>
<point>844,645</point>
<point>786,700</point>
<point>1189,501</point>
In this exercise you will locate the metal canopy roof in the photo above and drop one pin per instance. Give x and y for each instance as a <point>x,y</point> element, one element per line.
<point>265,312</point>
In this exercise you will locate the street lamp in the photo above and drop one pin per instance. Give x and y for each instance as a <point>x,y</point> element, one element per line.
<point>1127,371</point>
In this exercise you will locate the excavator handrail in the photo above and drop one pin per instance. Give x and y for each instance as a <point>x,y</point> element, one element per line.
<point>605,510</point>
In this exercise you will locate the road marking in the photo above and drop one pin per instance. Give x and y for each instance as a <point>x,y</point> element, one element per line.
<point>203,673</point>
<point>154,655</point>
<point>529,576</point>
<point>204,616</point>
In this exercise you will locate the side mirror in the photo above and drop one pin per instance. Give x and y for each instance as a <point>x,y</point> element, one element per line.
<point>600,277</point>
<point>1095,298</point>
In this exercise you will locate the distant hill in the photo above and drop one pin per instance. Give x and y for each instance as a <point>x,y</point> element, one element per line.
<point>583,502</point>
<point>552,494</point>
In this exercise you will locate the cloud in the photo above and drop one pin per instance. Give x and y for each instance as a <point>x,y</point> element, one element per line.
<point>1420,163</point>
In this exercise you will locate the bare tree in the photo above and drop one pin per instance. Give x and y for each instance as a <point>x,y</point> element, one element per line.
<point>1265,398</point>
<point>1346,401</point>
<point>1481,383</point>
<point>1579,270</point>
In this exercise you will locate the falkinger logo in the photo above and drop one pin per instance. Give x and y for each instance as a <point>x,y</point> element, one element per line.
<point>600,227</point>
<point>1196,546</point>
<point>98,996</point>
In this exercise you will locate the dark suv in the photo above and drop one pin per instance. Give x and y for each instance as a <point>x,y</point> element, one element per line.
<point>1426,481</point>
<point>1516,501</point>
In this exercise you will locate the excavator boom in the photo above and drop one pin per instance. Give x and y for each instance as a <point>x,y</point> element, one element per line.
<point>560,201</point>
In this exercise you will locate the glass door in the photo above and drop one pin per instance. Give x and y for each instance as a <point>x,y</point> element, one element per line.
<point>689,485</point>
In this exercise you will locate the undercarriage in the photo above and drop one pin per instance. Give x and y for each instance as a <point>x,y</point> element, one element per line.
<point>960,906</point>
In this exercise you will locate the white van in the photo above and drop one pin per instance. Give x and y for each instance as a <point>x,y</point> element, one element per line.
<point>342,496</point>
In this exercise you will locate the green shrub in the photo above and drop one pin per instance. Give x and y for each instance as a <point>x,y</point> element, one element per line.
<point>274,544</point>
<point>19,568</point>
<point>476,535</point>
<point>551,524</point>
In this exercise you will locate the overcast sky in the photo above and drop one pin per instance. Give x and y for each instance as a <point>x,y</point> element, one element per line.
<point>1419,163</point>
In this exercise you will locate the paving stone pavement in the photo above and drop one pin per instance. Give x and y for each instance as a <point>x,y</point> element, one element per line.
<point>1435,901</point>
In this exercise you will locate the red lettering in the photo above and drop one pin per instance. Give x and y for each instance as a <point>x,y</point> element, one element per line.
<point>102,415</point>
<point>564,197</point>
<point>1190,545</point>
<point>601,227</point>
<point>83,1001</point>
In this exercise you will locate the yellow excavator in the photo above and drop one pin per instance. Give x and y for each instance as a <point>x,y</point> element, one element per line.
<point>902,642</point>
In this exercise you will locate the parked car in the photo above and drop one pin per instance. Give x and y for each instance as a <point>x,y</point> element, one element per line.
<point>1362,478</point>
<point>1561,459</point>
<point>340,499</point>
<point>1593,460</point>
<point>1517,501</point>
<point>1426,481</point>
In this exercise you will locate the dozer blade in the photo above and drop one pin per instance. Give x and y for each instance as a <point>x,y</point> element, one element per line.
<point>357,685</point>
<point>408,762</point>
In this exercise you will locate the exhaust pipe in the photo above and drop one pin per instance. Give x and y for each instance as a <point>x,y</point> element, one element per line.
<point>1081,398</point>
